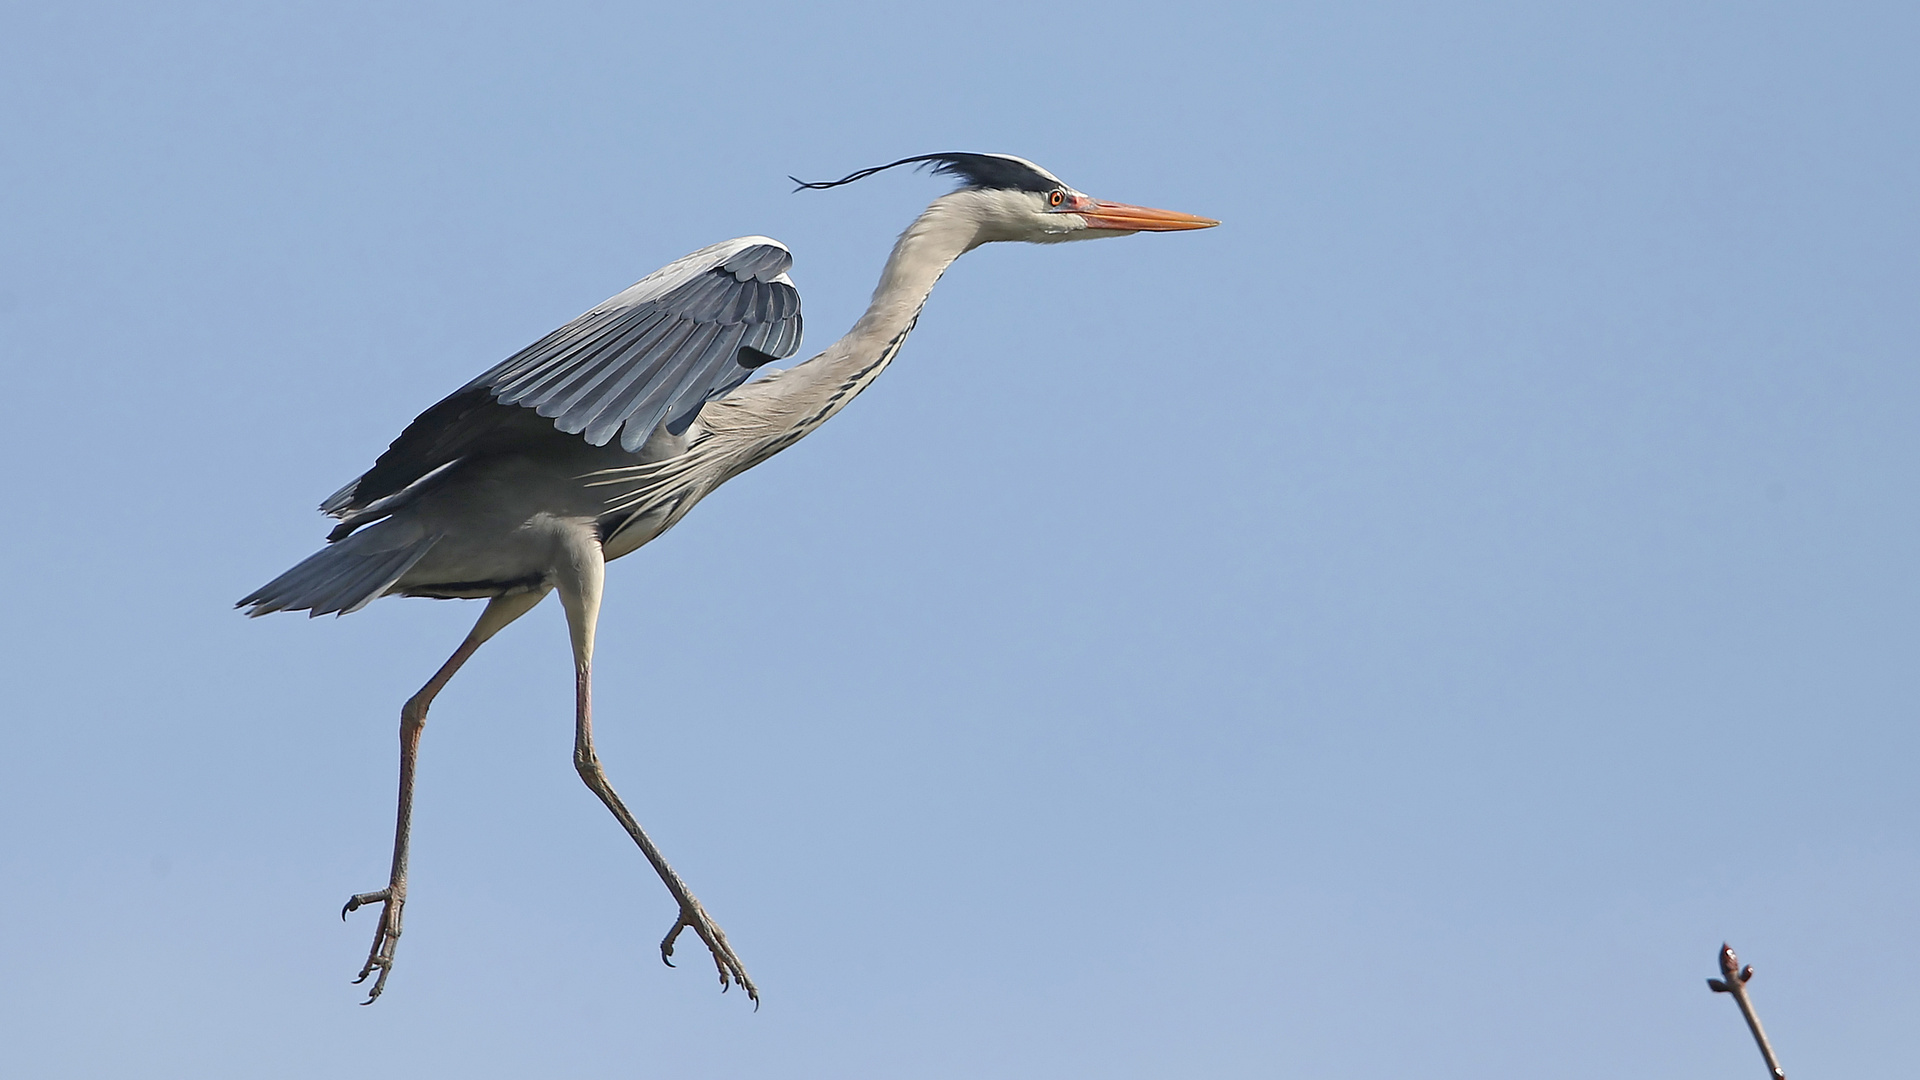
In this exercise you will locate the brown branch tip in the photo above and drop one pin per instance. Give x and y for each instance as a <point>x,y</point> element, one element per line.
<point>1733,980</point>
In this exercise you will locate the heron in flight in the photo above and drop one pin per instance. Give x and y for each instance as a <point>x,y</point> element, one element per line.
<point>602,435</point>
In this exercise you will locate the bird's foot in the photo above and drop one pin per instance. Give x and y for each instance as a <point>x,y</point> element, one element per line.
<point>386,936</point>
<point>724,958</point>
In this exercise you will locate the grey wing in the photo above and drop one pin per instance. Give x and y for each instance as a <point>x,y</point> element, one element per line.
<point>654,354</point>
<point>657,352</point>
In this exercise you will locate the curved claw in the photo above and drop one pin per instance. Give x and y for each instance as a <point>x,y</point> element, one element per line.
<point>666,943</point>
<point>725,963</point>
<point>360,900</point>
<point>385,936</point>
<point>379,984</point>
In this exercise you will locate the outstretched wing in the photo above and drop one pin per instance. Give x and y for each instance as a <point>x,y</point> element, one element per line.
<point>658,351</point>
<point>654,354</point>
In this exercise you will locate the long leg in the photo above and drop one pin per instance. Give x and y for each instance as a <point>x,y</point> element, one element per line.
<point>501,610</point>
<point>583,572</point>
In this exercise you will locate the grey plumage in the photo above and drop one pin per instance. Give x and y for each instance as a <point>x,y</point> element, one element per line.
<point>600,436</point>
<point>657,351</point>
<point>346,576</point>
<point>648,357</point>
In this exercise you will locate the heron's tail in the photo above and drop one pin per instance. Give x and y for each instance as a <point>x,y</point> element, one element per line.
<point>343,577</point>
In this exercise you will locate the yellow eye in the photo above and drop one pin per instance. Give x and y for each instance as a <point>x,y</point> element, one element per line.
<point>1057,197</point>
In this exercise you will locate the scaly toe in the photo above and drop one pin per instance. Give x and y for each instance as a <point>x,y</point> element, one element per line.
<point>360,900</point>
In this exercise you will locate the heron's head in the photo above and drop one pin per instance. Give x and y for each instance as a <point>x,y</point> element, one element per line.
<point>1011,198</point>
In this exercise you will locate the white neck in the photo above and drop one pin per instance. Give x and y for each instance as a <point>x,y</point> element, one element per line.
<point>777,411</point>
<point>941,234</point>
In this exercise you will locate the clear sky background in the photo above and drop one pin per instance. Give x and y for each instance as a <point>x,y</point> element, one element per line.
<point>1402,631</point>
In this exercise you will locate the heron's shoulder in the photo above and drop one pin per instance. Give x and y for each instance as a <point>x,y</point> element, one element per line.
<point>756,258</point>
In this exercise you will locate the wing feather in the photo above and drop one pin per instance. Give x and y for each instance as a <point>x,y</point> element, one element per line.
<point>653,354</point>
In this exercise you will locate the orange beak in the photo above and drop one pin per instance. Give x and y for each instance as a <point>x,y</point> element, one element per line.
<point>1112,215</point>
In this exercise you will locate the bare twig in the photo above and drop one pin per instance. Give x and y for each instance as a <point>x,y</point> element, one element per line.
<point>1734,981</point>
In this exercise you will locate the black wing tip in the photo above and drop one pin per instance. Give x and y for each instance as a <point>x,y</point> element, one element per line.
<point>751,358</point>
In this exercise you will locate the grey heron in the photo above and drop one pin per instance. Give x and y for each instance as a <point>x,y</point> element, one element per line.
<point>602,435</point>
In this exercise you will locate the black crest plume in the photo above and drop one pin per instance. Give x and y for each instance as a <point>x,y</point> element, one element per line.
<point>996,171</point>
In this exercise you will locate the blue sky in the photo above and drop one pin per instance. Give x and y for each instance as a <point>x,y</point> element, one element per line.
<point>1405,629</point>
